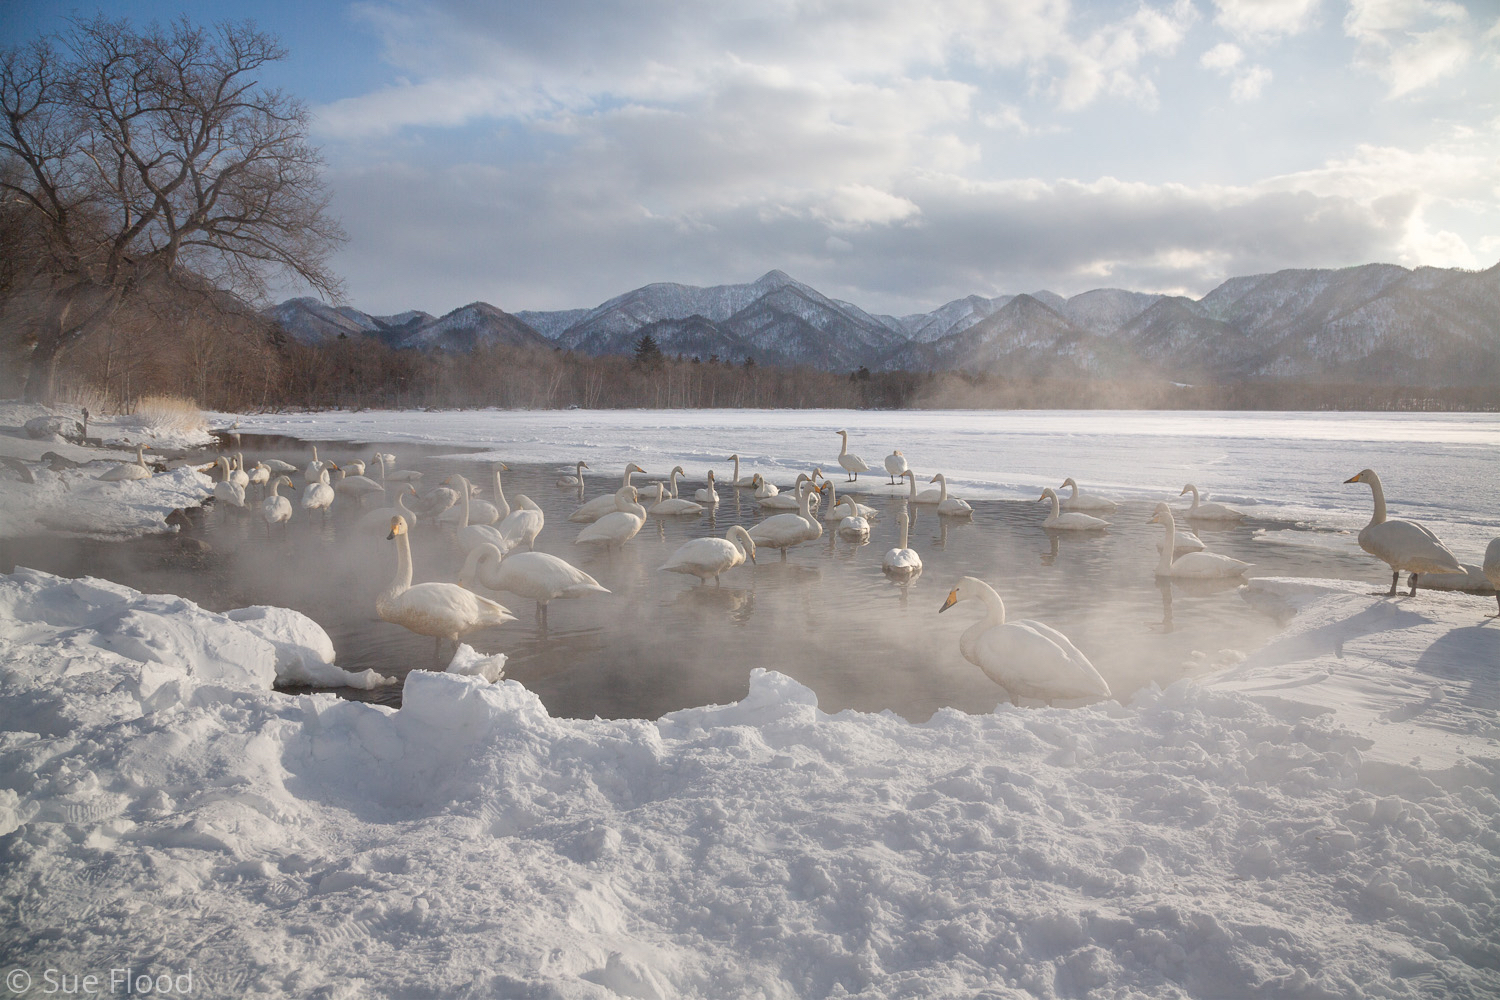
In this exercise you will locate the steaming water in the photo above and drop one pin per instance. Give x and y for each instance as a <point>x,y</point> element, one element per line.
<point>827,616</point>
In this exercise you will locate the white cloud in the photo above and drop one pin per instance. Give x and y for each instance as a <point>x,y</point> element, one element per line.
<point>1263,18</point>
<point>1222,57</point>
<point>1410,44</point>
<point>1248,85</point>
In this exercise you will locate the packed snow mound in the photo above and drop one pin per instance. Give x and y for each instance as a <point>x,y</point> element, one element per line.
<point>79,648</point>
<point>1196,842</point>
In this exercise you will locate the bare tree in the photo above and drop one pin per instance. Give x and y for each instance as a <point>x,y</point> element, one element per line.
<point>154,156</point>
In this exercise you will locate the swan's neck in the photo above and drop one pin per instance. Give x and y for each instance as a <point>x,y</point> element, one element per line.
<point>1194,491</point>
<point>629,471</point>
<point>401,506</point>
<point>833,495</point>
<point>381,460</point>
<point>225,463</point>
<point>844,446</point>
<point>736,460</point>
<point>402,580</point>
<point>1379,492</point>
<point>463,499</point>
<point>912,483</point>
<point>996,617</point>
<point>1056,506</point>
<point>276,488</point>
<point>1169,548</point>
<point>1074,494</point>
<point>905,526</point>
<point>140,454</point>
<point>501,504</point>
<point>315,453</point>
<point>674,484</point>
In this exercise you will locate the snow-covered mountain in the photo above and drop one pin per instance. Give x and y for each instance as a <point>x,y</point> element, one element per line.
<point>1378,322</point>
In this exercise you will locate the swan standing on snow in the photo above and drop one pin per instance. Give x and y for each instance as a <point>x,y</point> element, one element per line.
<point>902,564</point>
<point>708,557</point>
<point>616,528</point>
<point>126,471</point>
<point>602,505</point>
<point>574,480</point>
<point>951,506</point>
<point>782,531</point>
<point>1401,544</point>
<point>1191,565</point>
<point>1209,511</point>
<point>708,496</point>
<point>1084,501</point>
<point>1073,520</point>
<point>277,509</point>
<point>895,464</point>
<point>441,610</point>
<point>1026,658</point>
<point>852,464</point>
<point>1492,571</point>
<point>537,575</point>
<point>225,489</point>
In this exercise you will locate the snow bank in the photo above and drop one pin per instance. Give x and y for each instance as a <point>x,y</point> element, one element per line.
<point>1196,842</point>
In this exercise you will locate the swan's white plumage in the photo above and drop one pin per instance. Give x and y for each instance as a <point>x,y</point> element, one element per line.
<point>1027,658</point>
<point>1073,520</point>
<point>852,464</point>
<point>441,610</point>
<point>1191,565</point>
<point>708,496</point>
<point>277,509</point>
<point>902,563</point>
<point>601,505</point>
<point>782,531</point>
<point>852,527</point>
<point>1492,570</point>
<point>620,525</point>
<point>538,575</point>
<point>709,557</point>
<point>895,464</point>
<point>319,494</point>
<point>1200,511</point>
<point>225,490</point>
<point>127,471</point>
<point>1078,500</point>
<point>1402,545</point>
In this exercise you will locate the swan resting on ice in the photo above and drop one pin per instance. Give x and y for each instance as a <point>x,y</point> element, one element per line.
<point>1401,544</point>
<point>1026,658</point>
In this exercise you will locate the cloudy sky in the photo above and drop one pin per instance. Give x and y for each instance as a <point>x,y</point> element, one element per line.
<point>896,154</point>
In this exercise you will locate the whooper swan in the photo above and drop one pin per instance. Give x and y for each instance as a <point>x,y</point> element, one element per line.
<point>852,464</point>
<point>1078,500</point>
<point>708,557</point>
<point>1401,544</point>
<point>1209,511</point>
<point>537,575</point>
<point>619,526</point>
<point>1026,658</point>
<point>441,610</point>
<point>902,563</point>
<point>1191,565</point>
<point>601,505</point>
<point>126,471</point>
<point>1492,571</point>
<point>782,531</point>
<point>275,508</point>
<point>1073,520</point>
<point>895,465</point>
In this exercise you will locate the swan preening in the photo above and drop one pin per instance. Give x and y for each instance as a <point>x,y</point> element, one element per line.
<point>1209,511</point>
<point>1194,565</point>
<point>1402,545</point>
<point>895,465</point>
<point>441,610</point>
<point>1026,658</point>
<point>709,557</point>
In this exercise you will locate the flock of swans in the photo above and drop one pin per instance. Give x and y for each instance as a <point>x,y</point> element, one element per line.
<point>497,543</point>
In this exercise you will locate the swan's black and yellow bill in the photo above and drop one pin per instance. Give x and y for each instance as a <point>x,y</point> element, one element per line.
<point>398,527</point>
<point>1354,478</point>
<point>952,600</point>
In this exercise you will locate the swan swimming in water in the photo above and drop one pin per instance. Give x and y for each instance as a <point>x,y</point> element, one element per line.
<point>782,531</point>
<point>736,479</point>
<point>902,564</point>
<point>1026,658</point>
<point>616,528</point>
<point>708,496</point>
<point>225,490</point>
<point>277,509</point>
<point>574,480</point>
<point>852,526</point>
<point>441,610</point>
<point>1401,544</point>
<point>951,506</point>
<point>1209,511</point>
<point>1078,500</point>
<point>538,575</point>
<point>1073,520</point>
<point>1193,565</point>
<point>708,557</point>
<point>602,505</point>
<point>319,494</point>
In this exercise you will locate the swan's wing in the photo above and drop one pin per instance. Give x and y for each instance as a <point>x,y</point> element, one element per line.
<point>1037,660</point>
<point>1207,565</point>
<point>1411,546</point>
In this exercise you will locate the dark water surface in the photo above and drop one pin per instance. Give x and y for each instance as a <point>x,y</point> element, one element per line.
<point>827,616</point>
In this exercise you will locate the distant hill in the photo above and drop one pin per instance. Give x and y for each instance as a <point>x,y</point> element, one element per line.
<point>1377,323</point>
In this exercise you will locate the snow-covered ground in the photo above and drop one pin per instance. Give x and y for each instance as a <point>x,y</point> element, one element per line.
<point>1320,819</point>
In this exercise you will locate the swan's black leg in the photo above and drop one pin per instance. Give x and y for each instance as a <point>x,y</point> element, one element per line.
<point>1395,576</point>
<point>783,555</point>
<point>1497,605</point>
<point>1413,591</point>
